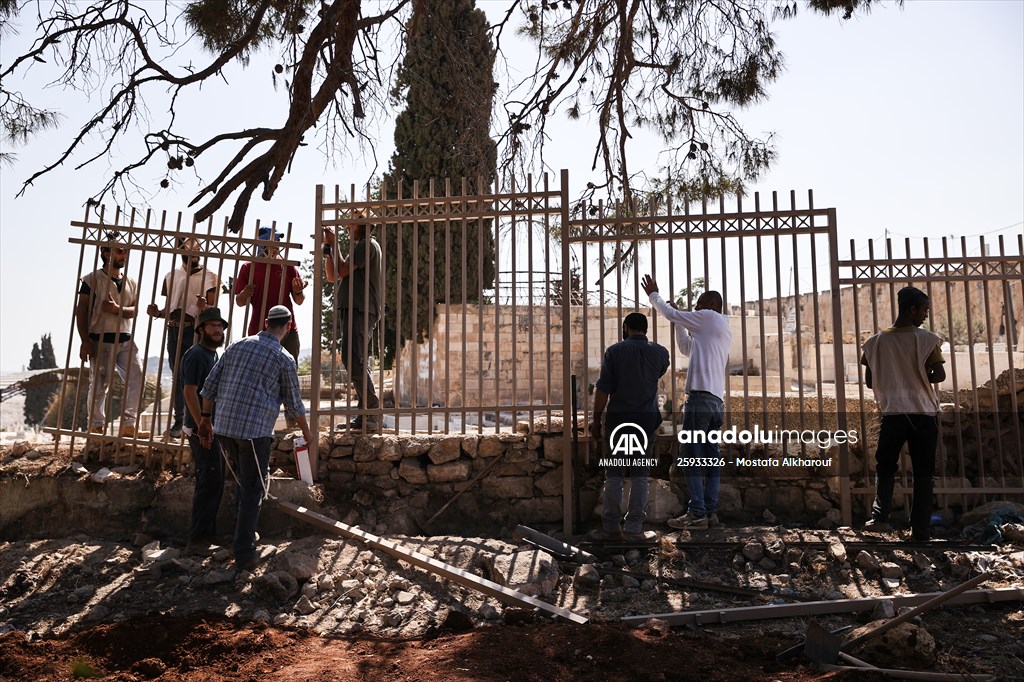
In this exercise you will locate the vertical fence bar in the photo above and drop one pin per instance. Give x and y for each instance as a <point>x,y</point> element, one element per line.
<point>837,351</point>
<point>568,465</point>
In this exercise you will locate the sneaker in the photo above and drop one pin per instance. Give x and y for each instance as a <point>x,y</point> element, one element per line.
<point>601,535</point>
<point>878,525</point>
<point>689,522</point>
<point>643,537</point>
<point>262,554</point>
<point>175,432</point>
<point>129,431</point>
<point>713,521</point>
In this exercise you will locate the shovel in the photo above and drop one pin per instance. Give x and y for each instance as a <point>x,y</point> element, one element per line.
<point>824,647</point>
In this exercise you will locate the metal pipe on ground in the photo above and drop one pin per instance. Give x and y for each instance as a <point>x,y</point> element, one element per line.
<point>556,547</point>
<point>453,573</point>
<point>747,613</point>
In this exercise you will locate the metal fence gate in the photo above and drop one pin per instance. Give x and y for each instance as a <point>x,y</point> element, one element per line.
<point>977,307</point>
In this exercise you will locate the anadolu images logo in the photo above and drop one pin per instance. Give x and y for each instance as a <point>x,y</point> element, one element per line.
<point>628,440</point>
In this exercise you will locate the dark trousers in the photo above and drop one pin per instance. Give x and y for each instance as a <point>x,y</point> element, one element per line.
<point>251,462</point>
<point>174,353</point>
<point>362,326</point>
<point>208,491</point>
<point>921,433</point>
<point>290,342</point>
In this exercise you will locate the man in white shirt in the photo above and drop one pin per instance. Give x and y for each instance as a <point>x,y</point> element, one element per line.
<point>188,290</point>
<point>703,334</point>
<point>901,364</point>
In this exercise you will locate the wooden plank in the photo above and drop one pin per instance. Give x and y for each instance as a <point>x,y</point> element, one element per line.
<point>453,573</point>
<point>815,608</point>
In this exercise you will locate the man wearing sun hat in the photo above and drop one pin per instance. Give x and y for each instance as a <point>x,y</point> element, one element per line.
<point>248,385</point>
<point>209,486</point>
<point>261,286</point>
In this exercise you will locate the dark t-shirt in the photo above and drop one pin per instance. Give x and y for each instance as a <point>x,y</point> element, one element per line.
<point>365,269</point>
<point>629,374</point>
<point>195,366</point>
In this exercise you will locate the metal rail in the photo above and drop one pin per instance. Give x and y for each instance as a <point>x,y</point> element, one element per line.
<point>816,608</point>
<point>453,573</point>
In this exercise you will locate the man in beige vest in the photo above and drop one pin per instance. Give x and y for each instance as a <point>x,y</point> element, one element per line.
<point>107,304</point>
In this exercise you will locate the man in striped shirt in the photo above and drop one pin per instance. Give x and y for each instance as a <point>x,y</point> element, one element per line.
<point>250,382</point>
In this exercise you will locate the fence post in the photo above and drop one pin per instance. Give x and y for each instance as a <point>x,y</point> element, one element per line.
<point>568,465</point>
<point>316,335</point>
<point>837,353</point>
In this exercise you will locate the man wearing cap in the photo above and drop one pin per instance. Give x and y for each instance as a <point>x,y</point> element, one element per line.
<point>187,290</point>
<point>195,366</point>
<point>248,385</point>
<point>360,284</point>
<point>262,286</point>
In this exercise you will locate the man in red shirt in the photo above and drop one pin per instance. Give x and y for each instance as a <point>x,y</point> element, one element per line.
<point>261,286</point>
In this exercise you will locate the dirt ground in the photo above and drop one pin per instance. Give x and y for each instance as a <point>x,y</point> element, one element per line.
<point>323,608</point>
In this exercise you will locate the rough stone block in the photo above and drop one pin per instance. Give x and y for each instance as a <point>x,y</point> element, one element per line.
<point>374,468</point>
<point>550,483</point>
<point>446,450</point>
<point>537,510</point>
<point>535,441</point>
<point>302,567</point>
<point>411,470</point>
<point>533,572</point>
<point>470,446</point>
<point>509,486</point>
<point>414,447</point>
<point>390,449</point>
<point>490,445</point>
<point>346,465</point>
<point>553,448</point>
<point>521,454</point>
<point>364,451</point>
<point>339,451</point>
<point>448,472</point>
<point>815,501</point>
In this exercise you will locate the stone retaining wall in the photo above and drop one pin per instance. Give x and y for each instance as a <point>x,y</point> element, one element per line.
<point>395,483</point>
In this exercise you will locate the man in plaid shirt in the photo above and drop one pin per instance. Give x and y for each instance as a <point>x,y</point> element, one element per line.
<point>253,378</point>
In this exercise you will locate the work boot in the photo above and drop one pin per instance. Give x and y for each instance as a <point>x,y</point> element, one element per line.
<point>689,522</point>
<point>262,554</point>
<point>129,431</point>
<point>879,525</point>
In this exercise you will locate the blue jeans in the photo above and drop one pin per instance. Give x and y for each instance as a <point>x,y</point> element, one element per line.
<point>638,490</point>
<point>174,355</point>
<point>208,491</point>
<point>703,412</point>
<point>253,473</point>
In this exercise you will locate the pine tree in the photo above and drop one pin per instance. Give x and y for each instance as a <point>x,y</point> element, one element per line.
<point>37,397</point>
<point>447,83</point>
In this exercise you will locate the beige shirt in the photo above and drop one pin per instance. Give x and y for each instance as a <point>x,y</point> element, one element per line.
<point>181,288</point>
<point>899,359</point>
<point>100,288</point>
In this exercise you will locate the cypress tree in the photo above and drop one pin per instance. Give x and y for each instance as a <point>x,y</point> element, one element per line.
<point>37,397</point>
<point>446,81</point>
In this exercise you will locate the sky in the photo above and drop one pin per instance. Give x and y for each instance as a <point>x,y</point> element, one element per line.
<point>910,122</point>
